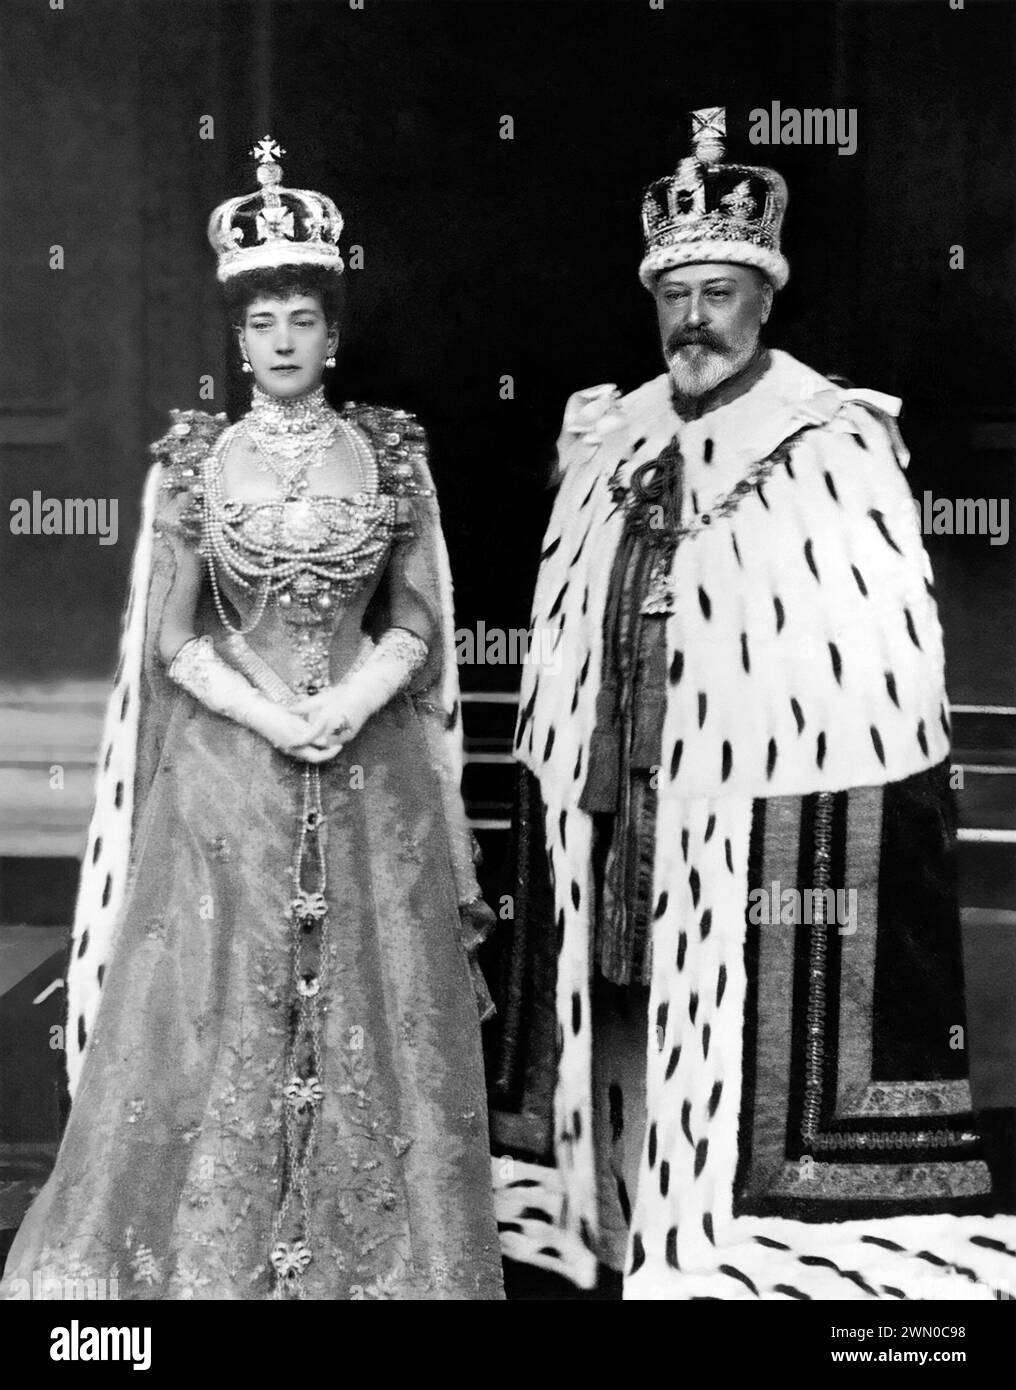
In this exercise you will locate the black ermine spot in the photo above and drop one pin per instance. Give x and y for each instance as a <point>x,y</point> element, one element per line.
<point>686,1121</point>
<point>810,558</point>
<point>714,1097</point>
<point>883,529</point>
<point>556,606</point>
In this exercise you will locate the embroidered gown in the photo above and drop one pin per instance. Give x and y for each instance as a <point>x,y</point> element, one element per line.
<point>203,1157</point>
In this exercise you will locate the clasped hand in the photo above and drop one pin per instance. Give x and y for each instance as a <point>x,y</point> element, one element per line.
<point>314,728</point>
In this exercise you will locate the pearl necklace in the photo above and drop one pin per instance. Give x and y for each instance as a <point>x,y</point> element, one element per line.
<point>299,433</point>
<point>290,424</point>
<point>292,436</point>
<point>302,580</point>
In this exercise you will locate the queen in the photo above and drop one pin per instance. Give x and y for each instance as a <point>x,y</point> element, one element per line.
<point>273,1039</point>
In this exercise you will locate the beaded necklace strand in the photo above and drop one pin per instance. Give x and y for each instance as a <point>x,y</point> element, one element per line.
<point>271,569</point>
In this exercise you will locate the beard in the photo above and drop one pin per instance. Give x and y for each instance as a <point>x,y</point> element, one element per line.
<point>699,361</point>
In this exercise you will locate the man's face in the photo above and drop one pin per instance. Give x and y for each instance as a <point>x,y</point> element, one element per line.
<point>709,318</point>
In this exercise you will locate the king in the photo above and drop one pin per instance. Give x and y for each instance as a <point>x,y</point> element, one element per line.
<point>748,690</point>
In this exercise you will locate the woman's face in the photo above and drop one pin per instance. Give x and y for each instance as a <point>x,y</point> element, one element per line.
<point>286,342</point>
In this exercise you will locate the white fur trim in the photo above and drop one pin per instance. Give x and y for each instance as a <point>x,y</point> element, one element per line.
<point>845,474</point>
<point>771,263</point>
<point>527,1205</point>
<point>104,870</point>
<point>280,253</point>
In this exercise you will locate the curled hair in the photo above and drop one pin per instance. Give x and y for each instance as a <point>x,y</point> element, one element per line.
<point>285,282</point>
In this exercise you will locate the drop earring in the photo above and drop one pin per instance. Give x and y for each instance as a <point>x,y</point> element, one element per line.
<point>330,361</point>
<point>246,366</point>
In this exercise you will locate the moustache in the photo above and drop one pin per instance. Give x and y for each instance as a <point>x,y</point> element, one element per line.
<point>680,339</point>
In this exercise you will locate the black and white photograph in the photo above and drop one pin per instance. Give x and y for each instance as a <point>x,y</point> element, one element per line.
<point>507,678</point>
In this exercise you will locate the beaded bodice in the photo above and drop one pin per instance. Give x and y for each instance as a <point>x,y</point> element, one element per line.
<point>301,528</point>
<point>305,551</point>
<point>296,568</point>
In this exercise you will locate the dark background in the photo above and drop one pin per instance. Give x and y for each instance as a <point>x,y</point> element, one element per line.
<point>486,257</point>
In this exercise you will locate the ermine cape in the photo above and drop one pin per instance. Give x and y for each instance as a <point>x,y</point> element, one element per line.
<point>785,1156</point>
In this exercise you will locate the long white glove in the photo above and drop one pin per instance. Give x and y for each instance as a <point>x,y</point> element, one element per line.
<point>199,669</point>
<point>343,709</point>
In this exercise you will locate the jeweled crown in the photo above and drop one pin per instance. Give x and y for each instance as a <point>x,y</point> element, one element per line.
<point>275,225</point>
<point>713,212</point>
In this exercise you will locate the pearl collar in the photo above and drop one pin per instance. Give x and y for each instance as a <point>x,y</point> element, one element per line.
<point>302,415</point>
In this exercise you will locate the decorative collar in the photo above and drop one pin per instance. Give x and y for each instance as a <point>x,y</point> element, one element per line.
<point>299,415</point>
<point>729,389</point>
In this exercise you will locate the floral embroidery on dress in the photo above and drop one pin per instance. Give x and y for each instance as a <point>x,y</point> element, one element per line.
<point>194,1038</point>
<point>187,1281</point>
<point>143,1264</point>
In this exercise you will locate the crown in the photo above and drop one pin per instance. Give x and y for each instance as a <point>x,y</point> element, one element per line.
<point>275,225</point>
<point>713,212</point>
